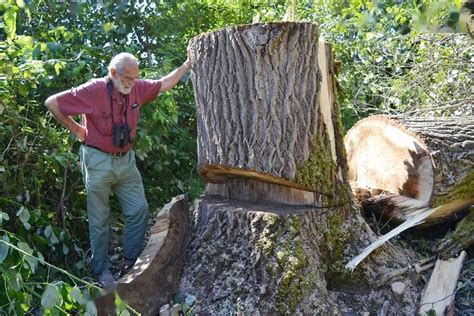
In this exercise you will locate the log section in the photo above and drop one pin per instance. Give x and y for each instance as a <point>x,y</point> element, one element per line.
<point>427,160</point>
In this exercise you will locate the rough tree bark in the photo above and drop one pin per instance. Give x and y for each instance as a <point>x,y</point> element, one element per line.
<point>260,109</point>
<point>278,221</point>
<point>429,160</point>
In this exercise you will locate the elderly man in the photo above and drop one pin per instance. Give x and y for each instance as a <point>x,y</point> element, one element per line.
<point>110,110</point>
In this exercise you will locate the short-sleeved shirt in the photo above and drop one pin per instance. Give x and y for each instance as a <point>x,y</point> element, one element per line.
<point>92,101</point>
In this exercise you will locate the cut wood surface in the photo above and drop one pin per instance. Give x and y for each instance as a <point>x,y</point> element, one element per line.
<point>265,103</point>
<point>412,161</point>
<point>439,293</point>
<point>257,191</point>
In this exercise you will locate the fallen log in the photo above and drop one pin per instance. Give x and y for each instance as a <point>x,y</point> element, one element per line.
<point>278,221</point>
<point>398,165</point>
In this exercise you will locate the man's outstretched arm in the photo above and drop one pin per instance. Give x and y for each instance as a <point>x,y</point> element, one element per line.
<point>170,80</point>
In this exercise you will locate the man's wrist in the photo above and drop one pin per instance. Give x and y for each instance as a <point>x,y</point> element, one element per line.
<point>187,65</point>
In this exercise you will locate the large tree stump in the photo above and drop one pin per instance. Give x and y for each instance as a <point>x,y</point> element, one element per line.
<point>278,221</point>
<point>426,161</point>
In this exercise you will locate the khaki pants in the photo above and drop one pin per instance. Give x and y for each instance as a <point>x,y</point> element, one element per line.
<point>102,174</point>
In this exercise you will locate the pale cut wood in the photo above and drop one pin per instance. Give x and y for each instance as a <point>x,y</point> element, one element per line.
<point>439,293</point>
<point>257,191</point>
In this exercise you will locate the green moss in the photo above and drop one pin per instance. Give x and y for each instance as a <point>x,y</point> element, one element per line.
<point>463,190</point>
<point>335,241</point>
<point>339,136</point>
<point>320,173</point>
<point>282,257</point>
<point>267,245</point>
<point>293,285</point>
<point>319,170</point>
<point>268,238</point>
<point>281,243</point>
<point>463,235</point>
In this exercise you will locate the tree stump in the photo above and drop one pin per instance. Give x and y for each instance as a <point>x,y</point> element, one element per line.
<point>278,221</point>
<point>419,161</point>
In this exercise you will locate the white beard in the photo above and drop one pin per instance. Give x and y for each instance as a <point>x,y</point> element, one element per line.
<point>120,87</point>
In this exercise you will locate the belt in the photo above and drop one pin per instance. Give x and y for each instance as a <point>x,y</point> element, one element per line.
<point>119,154</point>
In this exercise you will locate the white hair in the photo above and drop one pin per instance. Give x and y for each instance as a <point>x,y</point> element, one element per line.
<point>119,61</point>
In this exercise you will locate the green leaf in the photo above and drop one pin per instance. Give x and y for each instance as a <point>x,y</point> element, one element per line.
<point>60,159</point>
<point>37,51</point>
<point>4,248</point>
<point>107,27</point>
<point>10,21</point>
<point>25,41</point>
<point>25,247</point>
<point>53,239</point>
<point>47,231</point>
<point>3,216</point>
<point>15,281</point>
<point>65,249</point>
<point>40,255</point>
<point>91,310</point>
<point>23,214</point>
<point>58,67</point>
<point>50,297</point>
<point>76,296</point>
<point>32,261</point>
<point>20,3</point>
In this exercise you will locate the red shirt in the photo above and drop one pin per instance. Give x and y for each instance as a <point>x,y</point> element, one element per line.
<point>91,99</point>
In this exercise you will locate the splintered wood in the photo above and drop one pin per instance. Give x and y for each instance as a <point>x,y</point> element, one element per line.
<point>439,293</point>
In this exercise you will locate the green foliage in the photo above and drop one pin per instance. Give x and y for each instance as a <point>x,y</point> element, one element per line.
<point>388,65</point>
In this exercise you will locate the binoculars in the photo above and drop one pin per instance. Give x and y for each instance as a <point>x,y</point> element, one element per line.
<point>122,135</point>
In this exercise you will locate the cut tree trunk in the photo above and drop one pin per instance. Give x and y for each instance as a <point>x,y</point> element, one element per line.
<point>398,165</point>
<point>278,221</point>
<point>264,112</point>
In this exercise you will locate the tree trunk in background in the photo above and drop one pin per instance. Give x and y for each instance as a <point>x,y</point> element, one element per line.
<point>278,222</point>
<point>428,160</point>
